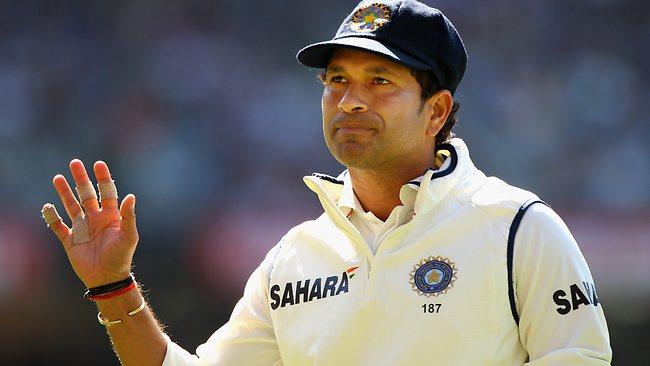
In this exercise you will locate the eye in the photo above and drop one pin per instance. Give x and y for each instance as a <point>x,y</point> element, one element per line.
<point>380,81</point>
<point>337,79</point>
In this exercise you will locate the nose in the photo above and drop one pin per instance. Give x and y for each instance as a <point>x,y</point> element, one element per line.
<point>353,101</point>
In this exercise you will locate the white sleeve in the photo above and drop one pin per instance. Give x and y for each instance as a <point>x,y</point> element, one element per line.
<point>561,319</point>
<point>247,338</point>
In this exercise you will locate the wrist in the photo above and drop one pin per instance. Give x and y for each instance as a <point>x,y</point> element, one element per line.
<point>110,290</point>
<point>108,323</point>
<point>97,279</point>
<point>118,307</point>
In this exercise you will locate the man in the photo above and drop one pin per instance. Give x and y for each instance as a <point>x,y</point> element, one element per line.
<point>419,258</point>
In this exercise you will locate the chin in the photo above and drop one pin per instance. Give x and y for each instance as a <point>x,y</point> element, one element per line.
<point>353,154</point>
<point>358,161</point>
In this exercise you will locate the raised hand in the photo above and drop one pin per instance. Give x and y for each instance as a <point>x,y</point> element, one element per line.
<point>102,240</point>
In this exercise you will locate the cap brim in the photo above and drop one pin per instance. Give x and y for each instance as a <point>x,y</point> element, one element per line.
<point>318,55</point>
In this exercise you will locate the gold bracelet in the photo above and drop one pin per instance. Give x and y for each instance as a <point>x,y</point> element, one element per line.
<point>108,323</point>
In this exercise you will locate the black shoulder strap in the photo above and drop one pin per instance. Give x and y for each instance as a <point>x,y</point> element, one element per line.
<point>511,248</point>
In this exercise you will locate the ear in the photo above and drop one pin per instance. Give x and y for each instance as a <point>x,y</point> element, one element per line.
<point>439,107</point>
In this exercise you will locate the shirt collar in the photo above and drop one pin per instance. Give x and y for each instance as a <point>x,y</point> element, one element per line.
<point>349,202</point>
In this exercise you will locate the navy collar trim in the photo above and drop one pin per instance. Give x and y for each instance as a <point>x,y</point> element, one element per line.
<point>453,155</point>
<point>328,178</point>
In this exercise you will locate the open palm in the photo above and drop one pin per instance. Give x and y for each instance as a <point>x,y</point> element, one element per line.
<point>112,234</point>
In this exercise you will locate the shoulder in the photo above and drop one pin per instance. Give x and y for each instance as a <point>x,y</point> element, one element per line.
<point>500,202</point>
<point>305,231</point>
<point>543,218</point>
<point>285,243</point>
<point>495,194</point>
<point>543,234</point>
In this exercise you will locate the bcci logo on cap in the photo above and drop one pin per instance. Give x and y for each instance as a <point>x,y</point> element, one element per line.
<point>433,276</point>
<point>370,18</point>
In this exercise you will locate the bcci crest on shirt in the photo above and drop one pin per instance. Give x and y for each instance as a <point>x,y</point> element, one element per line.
<point>433,276</point>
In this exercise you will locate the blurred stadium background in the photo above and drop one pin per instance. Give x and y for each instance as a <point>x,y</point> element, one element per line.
<point>201,110</point>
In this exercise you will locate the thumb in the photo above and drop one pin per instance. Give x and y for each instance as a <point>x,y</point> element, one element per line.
<point>127,211</point>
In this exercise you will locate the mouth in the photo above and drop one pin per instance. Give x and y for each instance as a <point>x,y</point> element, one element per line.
<point>355,125</point>
<point>353,129</point>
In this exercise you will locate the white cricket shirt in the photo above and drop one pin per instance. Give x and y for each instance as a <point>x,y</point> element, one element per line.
<point>467,281</point>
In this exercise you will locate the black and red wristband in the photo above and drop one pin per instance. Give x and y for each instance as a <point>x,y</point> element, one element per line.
<point>111,289</point>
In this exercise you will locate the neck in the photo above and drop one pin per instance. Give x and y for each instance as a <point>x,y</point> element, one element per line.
<point>378,192</point>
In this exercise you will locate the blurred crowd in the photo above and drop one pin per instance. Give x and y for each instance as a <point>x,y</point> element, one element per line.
<point>201,110</point>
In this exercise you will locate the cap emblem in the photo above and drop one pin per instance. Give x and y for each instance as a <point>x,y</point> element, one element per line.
<point>370,18</point>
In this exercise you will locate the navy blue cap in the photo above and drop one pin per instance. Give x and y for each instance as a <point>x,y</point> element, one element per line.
<point>405,31</point>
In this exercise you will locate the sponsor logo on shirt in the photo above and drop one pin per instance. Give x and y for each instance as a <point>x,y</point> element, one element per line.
<point>433,276</point>
<point>293,293</point>
<point>577,297</point>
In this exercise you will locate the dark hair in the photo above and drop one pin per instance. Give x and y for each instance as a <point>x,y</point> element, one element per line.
<point>429,85</point>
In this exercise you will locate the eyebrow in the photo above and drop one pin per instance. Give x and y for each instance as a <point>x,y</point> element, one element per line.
<point>333,68</point>
<point>382,70</point>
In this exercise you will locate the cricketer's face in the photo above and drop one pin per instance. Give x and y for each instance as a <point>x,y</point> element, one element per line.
<point>372,112</point>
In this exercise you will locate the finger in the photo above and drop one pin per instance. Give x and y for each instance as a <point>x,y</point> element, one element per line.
<point>127,211</point>
<point>70,203</point>
<point>85,189</point>
<point>107,190</point>
<point>54,222</point>
<point>80,230</point>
